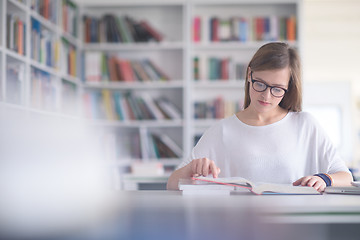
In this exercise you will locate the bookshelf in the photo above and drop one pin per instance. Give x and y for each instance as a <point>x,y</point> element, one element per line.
<point>38,65</point>
<point>62,82</point>
<point>136,137</point>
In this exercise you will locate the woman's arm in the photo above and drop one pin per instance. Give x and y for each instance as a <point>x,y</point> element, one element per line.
<point>341,179</point>
<point>197,167</point>
<point>338,179</point>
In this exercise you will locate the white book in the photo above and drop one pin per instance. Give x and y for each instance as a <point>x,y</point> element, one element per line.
<point>171,144</point>
<point>259,188</point>
<point>169,109</point>
<point>205,29</point>
<point>193,187</point>
<point>152,107</point>
<point>93,66</point>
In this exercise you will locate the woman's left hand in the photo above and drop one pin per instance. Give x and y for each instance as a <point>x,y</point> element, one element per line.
<point>311,181</point>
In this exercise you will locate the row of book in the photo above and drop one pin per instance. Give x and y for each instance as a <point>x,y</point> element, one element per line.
<point>46,8</point>
<point>15,76</point>
<point>44,45</point>
<point>132,145</point>
<point>159,146</point>
<point>15,34</point>
<point>244,29</point>
<point>101,67</point>
<point>43,90</point>
<point>216,109</point>
<point>128,106</point>
<point>214,68</point>
<point>69,58</point>
<point>110,28</point>
<point>69,17</point>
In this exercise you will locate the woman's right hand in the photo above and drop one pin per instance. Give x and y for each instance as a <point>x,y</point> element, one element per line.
<point>203,167</point>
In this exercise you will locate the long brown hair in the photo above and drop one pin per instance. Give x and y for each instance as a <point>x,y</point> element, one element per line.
<point>278,55</point>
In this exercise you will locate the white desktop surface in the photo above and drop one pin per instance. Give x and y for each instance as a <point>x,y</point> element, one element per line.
<point>138,215</point>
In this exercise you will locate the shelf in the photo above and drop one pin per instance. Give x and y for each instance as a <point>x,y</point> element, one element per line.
<point>151,46</point>
<point>39,111</point>
<point>19,5</point>
<point>233,45</point>
<point>15,55</point>
<point>46,23</point>
<point>138,123</point>
<point>43,67</point>
<point>71,79</point>
<point>211,84</point>
<point>135,85</point>
<point>70,38</point>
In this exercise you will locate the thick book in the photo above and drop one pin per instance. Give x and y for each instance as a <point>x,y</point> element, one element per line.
<point>194,187</point>
<point>259,188</point>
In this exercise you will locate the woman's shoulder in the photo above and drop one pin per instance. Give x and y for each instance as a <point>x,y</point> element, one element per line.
<point>304,118</point>
<point>223,123</point>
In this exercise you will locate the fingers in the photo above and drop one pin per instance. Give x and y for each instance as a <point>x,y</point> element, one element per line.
<point>204,167</point>
<point>311,181</point>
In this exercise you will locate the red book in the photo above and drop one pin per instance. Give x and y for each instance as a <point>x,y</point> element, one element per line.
<point>155,34</point>
<point>215,29</point>
<point>259,29</point>
<point>197,29</point>
<point>225,69</point>
<point>128,71</point>
<point>20,37</point>
<point>112,62</point>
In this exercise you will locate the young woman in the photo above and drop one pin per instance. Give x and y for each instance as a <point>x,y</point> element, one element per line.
<point>271,140</point>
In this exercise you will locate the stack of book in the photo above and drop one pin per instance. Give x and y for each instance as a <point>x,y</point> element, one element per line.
<point>15,34</point>
<point>128,106</point>
<point>270,28</point>
<point>44,46</point>
<point>216,109</point>
<point>101,67</point>
<point>124,29</point>
<point>214,68</point>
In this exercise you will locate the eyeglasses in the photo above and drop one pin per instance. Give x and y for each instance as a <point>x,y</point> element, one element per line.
<point>261,87</point>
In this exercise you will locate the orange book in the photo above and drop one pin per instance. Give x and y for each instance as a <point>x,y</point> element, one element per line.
<point>291,28</point>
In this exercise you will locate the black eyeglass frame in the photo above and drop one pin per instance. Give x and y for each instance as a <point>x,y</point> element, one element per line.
<point>267,86</point>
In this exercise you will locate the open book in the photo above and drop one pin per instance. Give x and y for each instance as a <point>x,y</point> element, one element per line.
<point>263,188</point>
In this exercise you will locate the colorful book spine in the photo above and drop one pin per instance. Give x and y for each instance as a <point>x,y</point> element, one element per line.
<point>48,9</point>
<point>126,106</point>
<point>16,34</point>
<point>103,68</point>
<point>217,108</point>
<point>114,29</point>
<point>69,17</point>
<point>244,29</point>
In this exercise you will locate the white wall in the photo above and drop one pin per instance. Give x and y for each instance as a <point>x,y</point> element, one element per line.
<point>331,48</point>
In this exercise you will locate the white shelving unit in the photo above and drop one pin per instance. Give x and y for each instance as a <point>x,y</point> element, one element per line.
<point>19,89</point>
<point>124,140</point>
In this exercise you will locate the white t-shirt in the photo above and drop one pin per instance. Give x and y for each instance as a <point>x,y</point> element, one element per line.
<point>281,152</point>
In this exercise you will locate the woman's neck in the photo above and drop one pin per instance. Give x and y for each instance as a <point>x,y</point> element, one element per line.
<point>251,117</point>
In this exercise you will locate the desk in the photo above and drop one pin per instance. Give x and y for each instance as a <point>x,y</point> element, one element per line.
<point>169,215</point>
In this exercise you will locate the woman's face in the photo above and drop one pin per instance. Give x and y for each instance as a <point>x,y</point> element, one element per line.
<point>265,101</point>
